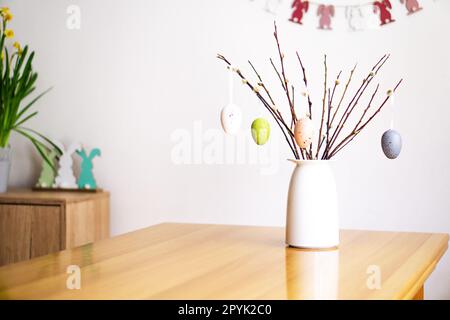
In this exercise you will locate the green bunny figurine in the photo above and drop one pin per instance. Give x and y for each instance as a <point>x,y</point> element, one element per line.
<point>86,179</point>
<point>47,176</point>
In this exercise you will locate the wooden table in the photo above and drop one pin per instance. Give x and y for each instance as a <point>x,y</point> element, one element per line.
<point>193,261</point>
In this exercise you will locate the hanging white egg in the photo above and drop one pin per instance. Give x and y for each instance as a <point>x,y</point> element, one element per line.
<point>391,143</point>
<point>231,118</point>
<point>303,132</point>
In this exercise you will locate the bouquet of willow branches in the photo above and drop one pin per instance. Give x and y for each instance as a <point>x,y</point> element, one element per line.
<point>333,135</point>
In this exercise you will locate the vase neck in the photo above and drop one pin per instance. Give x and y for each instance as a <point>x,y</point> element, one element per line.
<point>309,162</point>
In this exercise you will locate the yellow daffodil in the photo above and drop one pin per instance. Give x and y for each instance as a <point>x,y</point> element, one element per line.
<point>18,47</point>
<point>7,16</point>
<point>9,33</point>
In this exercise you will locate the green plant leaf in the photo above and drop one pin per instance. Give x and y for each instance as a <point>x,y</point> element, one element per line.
<point>21,58</point>
<point>25,119</point>
<point>28,106</point>
<point>40,147</point>
<point>60,152</point>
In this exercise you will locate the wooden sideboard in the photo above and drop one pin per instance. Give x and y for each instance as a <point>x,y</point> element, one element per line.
<point>36,223</point>
<point>193,261</point>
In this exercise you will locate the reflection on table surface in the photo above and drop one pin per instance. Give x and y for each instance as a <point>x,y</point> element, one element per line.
<point>312,274</point>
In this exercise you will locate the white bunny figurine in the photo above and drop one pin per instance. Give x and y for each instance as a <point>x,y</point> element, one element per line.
<point>65,178</point>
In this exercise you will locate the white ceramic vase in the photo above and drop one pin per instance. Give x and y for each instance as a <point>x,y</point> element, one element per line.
<point>312,211</point>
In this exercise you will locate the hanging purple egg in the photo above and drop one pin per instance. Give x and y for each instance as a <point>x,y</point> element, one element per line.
<point>391,142</point>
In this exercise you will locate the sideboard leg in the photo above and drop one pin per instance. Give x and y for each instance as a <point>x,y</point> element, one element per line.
<point>419,294</point>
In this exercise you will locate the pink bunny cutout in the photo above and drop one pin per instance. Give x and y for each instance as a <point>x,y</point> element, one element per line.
<point>411,5</point>
<point>325,12</point>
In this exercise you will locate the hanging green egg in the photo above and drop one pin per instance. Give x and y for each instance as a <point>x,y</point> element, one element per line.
<point>260,131</point>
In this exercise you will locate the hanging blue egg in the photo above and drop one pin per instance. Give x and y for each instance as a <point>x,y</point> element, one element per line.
<point>391,142</point>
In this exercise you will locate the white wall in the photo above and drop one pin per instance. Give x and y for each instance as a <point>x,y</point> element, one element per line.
<point>137,71</point>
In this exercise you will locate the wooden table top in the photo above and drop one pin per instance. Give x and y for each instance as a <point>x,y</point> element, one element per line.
<point>193,261</point>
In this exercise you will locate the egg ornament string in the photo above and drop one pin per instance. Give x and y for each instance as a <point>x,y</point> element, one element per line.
<point>231,115</point>
<point>391,140</point>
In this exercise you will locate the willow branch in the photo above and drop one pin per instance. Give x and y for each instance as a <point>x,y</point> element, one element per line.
<point>367,108</point>
<point>343,95</point>
<point>277,113</point>
<point>379,108</point>
<point>361,127</point>
<point>261,83</point>
<point>273,112</point>
<point>339,126</point>
<point>330,106</point>
<point>293,106</point>
<point>355,129</point>
<point>283,73</point>
<point>326,138</point>
<point>319,139</point>
<point>305,80</point>
<point>292,122</point>
<point>354,101</point>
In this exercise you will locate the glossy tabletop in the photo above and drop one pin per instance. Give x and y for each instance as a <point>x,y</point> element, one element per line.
<point>193,261</point>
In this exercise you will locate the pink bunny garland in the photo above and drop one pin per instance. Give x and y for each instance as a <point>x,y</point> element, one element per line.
<point>378,9</point>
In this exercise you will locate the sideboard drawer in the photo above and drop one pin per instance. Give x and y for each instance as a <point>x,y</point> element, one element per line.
<point>15,233</point>
<point>45,230</point>
<point>28,231</point>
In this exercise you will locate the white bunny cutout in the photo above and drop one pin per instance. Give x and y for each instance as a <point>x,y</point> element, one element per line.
<point>272,6</point>
<point>355,18</point>
<point>65,178</point>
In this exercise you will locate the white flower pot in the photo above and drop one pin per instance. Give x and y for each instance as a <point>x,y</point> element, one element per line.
<point>312,212</point>
<point>5,165</point>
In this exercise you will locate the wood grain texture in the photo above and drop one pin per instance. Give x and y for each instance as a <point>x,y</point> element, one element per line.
<point>15,233</point>
<point>419,294</point>
<point>87,221</point>
<point>190,261</point>
<point>27,196</point>
<point>45,230</point>
<point>28,231</point>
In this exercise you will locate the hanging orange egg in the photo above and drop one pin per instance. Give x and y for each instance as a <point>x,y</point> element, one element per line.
<point>303,132</point>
